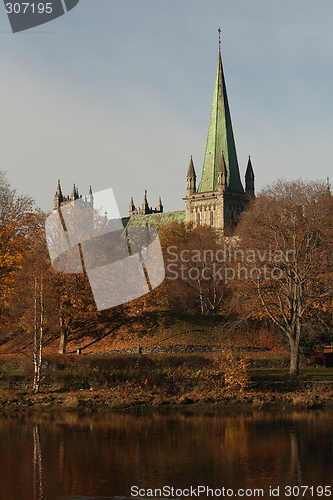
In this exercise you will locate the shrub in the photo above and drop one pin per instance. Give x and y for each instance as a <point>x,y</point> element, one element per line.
<point>234,369</point>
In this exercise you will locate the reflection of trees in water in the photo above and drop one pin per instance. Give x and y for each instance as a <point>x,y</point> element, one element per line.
<point>295,473</point>
<point>61,461</point>
<point>37,464</point>
<point>104,455</point>
<point>295,463</point>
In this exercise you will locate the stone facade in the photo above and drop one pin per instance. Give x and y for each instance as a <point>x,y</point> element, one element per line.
<point>219,208</point>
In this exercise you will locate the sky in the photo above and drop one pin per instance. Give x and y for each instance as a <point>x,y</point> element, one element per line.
<point>117,94</point>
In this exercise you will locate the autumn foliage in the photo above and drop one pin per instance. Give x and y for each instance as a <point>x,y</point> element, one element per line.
<point>273,274</point>
<point>288,277</point>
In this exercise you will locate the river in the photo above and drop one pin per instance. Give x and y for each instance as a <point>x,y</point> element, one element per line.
<point>193,453</point>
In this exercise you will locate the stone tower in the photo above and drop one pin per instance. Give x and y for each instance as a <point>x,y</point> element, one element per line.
<point>220,196</point>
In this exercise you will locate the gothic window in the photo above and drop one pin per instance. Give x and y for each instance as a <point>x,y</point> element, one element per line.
<point>211,215</point>
<point>198,218</point>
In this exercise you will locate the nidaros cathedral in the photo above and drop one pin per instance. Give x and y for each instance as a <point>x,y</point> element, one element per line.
<point>219,197</point>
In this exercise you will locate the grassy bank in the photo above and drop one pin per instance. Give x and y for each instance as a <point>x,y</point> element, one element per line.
<point>92,383</point>
<point>121,398</point>
<point>168,372</point>
<point>282,374</point>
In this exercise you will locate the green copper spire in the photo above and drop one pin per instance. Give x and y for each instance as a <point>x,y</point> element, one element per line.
<point>220,140</point>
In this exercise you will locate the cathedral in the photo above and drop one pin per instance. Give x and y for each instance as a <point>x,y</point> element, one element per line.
<point>220,196</point>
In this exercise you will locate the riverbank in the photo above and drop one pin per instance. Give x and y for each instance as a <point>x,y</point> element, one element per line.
<point>262,395</point>
<point>130,381</point>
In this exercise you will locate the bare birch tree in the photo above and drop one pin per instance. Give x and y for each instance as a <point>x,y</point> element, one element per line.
<point>33,307</point>
<point>38,330</point>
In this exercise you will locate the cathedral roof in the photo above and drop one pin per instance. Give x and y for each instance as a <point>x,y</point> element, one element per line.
<point>220,140</point>
<point>156,220</point>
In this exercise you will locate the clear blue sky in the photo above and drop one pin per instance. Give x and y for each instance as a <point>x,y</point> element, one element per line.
<point>117,93</point>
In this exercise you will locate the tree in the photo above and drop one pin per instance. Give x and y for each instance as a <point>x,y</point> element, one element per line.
<point>19,222</point>
<point>195,269</point>
<point>284,255</point>
<point>75,307</point>
<point>33,306</point>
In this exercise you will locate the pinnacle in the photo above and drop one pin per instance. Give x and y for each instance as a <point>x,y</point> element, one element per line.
<point>220,140</point>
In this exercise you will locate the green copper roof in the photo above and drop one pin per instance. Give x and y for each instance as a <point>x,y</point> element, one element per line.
<point>220,140</point>
<point>157,220</point>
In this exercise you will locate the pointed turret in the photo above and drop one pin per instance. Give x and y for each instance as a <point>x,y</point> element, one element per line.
<point>159,207</point>
<point>131,207</point>
<point>145,206</point>
<point>191,178</point>
<point>90,197</point>
<point>75,193</point>
<point>249,179</point>
<point>58,197</point>
<point>220,140</point>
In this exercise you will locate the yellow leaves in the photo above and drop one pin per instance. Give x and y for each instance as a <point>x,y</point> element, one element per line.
<point>20,228</point>
<point>234,369</point>
<point>323,306</point>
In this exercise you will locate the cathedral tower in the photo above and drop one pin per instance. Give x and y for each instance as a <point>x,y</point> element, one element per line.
<point>220,196</point>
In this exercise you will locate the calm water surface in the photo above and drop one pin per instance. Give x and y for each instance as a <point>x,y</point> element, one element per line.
<point>73,456</point>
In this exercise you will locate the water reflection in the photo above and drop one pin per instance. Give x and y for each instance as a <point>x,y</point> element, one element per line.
<point>76,456</point>
<point>37,462</point>
<point>295,476</point>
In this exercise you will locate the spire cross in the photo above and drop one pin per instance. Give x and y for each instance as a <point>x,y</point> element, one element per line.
<point>219,30</point>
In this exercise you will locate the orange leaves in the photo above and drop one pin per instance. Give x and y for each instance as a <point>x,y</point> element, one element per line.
<point>294,219</point>
<point>20,225</point>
